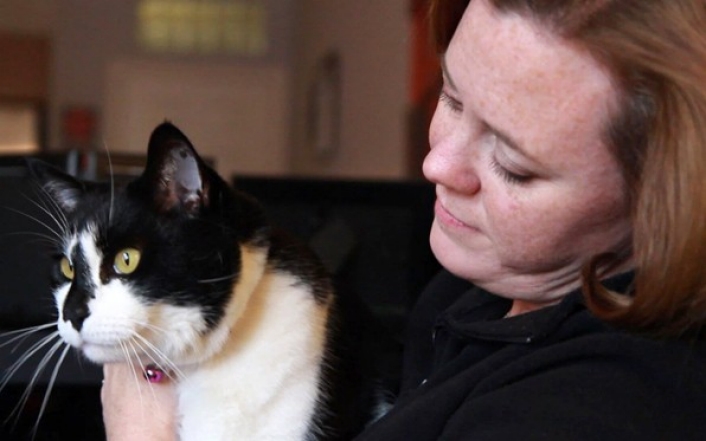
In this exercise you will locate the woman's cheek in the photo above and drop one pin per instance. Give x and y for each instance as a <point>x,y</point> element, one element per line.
<point>505,211</point>
<point>516,226</point>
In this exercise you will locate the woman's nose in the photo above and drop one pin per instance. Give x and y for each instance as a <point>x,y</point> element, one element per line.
<point>451,161</point>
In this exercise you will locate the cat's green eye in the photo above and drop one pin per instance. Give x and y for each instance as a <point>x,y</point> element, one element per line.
<point>126,261</point>
<point>67,268</point>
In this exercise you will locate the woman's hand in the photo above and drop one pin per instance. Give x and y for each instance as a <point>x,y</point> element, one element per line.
<point>136,410</point>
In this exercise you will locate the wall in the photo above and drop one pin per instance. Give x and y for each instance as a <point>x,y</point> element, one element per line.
<point>28,16</point>
<point>24,67</point>
<point>370,35</point>
<point>93,37</point>
<point>372,39</point>
<point>237,115</point>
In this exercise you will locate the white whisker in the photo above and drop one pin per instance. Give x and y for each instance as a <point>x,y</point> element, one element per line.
<point>23,331</point>
<point>23,335</point>
<point>150,326</point>
<point>45,237</point>
<point>163,362</point>
<point>37,372</point>
<point>219,279</point>
<point>150,350</point>
<point>58,236</point>
<point>129,361</point>
<point>131,365</point>
<point>57,215</point>
<point>25,357</point>
<point>44,196</point>
<point>112,184</point>
<point>137,358</point>
<point>133,345</point>
<point>50,386</point>
<point>41,366</point>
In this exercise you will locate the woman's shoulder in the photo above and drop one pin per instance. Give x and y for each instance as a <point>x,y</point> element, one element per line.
<point>560,373</point>
<point>603,383</point>
<point>670,366</point>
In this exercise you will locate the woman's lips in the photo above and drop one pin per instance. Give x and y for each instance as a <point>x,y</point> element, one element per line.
<point>445,217</point>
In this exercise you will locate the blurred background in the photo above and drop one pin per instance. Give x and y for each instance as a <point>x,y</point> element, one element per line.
<point>327,88</point>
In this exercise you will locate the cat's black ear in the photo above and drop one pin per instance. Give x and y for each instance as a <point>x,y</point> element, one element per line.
<point>63,188</point>
<point>175,172</point>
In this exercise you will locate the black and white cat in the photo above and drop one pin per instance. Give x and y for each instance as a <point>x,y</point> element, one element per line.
<point>179,270</point>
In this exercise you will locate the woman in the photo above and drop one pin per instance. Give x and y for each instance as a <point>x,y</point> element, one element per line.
<point>569,154</point>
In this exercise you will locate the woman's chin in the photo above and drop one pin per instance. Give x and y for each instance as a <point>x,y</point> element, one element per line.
<point>452,256</point>
<point>474,261</point>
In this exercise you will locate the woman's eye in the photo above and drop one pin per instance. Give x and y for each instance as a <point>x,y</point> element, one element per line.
<point>451,102</point>
<point>507,175</point>
<point>67,268</point>
<point>127,260</point>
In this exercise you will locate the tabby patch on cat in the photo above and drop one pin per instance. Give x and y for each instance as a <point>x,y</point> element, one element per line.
<point>179,270</point>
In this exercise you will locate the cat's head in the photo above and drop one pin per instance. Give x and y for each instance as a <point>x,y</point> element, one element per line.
<point>154,268</point>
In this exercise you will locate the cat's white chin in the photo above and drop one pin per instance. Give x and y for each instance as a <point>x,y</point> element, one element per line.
<point>102,354</point>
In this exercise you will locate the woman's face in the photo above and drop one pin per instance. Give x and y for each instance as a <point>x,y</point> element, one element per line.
<point>527,190</point>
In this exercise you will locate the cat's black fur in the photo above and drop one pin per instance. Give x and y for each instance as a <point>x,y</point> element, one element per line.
<point>178,250</point>
<point>187,220</point>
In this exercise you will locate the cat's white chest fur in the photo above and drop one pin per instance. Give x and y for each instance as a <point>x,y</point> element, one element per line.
<point>256,376</point>
<point>264,383</point>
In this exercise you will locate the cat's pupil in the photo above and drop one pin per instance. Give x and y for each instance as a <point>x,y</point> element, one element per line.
<point>126,261</point>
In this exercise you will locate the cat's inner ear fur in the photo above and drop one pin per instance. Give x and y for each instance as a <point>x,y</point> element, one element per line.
<point>63,189</point>
<point>176,173</point>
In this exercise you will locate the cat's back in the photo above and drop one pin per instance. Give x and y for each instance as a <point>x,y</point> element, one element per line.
<point>289,255</point>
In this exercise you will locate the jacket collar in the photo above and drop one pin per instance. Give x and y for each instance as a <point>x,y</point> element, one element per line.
<point>479,314</point>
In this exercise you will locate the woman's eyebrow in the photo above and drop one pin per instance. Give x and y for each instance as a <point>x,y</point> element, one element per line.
<point>503,136</point>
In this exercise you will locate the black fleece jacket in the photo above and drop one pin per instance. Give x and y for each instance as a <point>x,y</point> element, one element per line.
<point>557,373</point>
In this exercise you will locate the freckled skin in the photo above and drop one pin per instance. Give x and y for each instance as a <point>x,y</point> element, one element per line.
<point>527,240</point>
